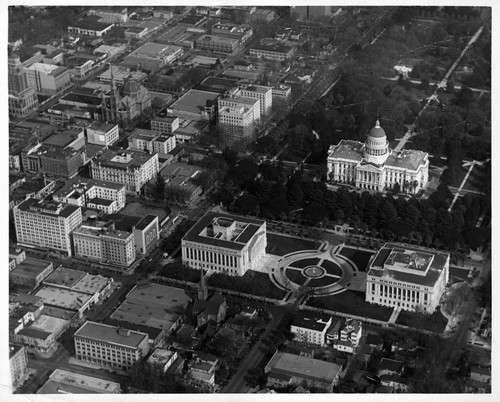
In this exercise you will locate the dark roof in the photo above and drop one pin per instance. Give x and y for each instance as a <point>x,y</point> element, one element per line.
<point>101,201</point>
<point>13,349</point>
<point>144,222</point>
<point>314,321</point>
<point>194,233</point>
<point>275,48</point>
<point>34,333</point>
<point>122,222</point>
<point>389,364</point>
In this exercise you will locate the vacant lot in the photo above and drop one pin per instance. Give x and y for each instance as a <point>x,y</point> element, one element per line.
<point>351,302</point>
<point>281,245</point>
<point>358,257</point>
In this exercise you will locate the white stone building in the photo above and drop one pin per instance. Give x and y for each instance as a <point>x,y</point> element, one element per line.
<point>410,278</point>
<point>225,243</point>
<point>311,327</point>
<point>374,166</point>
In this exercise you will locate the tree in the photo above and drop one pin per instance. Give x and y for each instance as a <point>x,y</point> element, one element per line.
<point>159,189</point>
<point>397,188</point>
<point>230,156</point>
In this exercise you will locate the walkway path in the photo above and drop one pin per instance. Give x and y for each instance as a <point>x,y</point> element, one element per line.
<point>457,194</point>
<point>441,84</point>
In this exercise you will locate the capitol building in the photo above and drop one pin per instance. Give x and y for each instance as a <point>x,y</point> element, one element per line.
<point>374,166</point>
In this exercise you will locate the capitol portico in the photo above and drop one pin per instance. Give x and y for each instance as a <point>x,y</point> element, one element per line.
<point>372,165</point>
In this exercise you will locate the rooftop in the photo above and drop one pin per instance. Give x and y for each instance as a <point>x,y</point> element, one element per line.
<point>110,334</point>
<point>305,367</point>
<point>31,267</point>
<point>152,293</point>
<point>64,277</point>
<point>64,298</point>
<point>407,159</point>
<point>153,50</point>
<point>124,159</point>
<point>47,208</point>
<point>218,39</point>
<point>161,356</point>
<point>347,149</point>
<point>145,222</point>
<point>194,101</point>
<point>275,48</point>
<point>14,348</point>
<point>91,283</point>
<point>91,23</point>
<point>66,382</point>
<point>318,322</point>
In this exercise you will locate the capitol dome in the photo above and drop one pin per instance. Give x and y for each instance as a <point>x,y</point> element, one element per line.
<point>377,131</point>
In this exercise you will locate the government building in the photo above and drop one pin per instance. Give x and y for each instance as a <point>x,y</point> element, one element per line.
<point>225,243</point>
<point>407,277</point>
<point>374,166</point>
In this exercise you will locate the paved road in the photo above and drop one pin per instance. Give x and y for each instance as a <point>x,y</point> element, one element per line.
<point>237,384</point>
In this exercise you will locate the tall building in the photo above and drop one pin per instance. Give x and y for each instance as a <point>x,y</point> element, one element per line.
<point>48,79</point>
<point>22,98</point>
<point>134,169</point>
<point>225,243</point>
<point>100,133</point>
<point>410,278</point>
<point>263,93</point>
<point>18,359</point>
<point>110,347</point>
<point>46,224</point>
<point>373,165</point>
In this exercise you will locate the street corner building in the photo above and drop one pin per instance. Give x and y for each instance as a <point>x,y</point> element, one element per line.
<point>374,166</point>
<point>225,243</point>
<point>409,278</point>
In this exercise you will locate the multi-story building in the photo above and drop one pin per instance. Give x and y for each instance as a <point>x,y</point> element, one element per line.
<point>195,105</point>
<point>277,52</point>
<point>31,272</point>
<point>311,328</point>
<point>48,79</point>
<point>18,359</point>
<point>374,166</point>
<point>134,169</point>
<point>22,98</point>
<point>287,369</point>
<point>165,124</point>
<point>112,15</point>
<point>233,98</point>
<point>90,26</point>
<point>218,44</point>
<point>153,56</point>
<point>241,32</point>
<point>225,243</point>
<point>237,126</point>
<point>104,244</point>
<point>60,162</point>
<point>409,278</point>
<point>346,339</point>
<point>146,232</point>
<point>120,74</point>
<point>263,93</point>
<point>104,134</point>
<point>110,347</point>
<point>46,224</point>
<point>281,94</point>
<point>151,141</point>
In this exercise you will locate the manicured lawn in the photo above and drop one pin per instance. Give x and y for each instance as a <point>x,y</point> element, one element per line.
<point>254,283</point>
<point>305,262</point>
<point>281,245</point>
<point>295,276</point>
<point>358,257</point>
<point>351,302</point>
<point>331,268</point>
<point>460,274</point>
<point>434,322</point>
<point>326,280</point>
<point>176,270</point>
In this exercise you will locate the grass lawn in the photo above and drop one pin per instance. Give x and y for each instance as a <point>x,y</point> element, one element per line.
<point>305,262</point>
<point>476,179</point>
<point>326,280</point>
<point>281,245</point>
<point>358,257</point>
<point>295,276</point>
<point>331,268</point>
<point>176,270</point>
<point>459,273</point>
<point>434,322</point>
<point>351,302</point>
<point>253,283</point>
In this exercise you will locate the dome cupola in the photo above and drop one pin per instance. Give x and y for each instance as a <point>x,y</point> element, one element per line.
<point>376,146</point>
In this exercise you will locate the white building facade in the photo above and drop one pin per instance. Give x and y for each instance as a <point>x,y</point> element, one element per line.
<point>374,166</point>
<point>225,243</point>
<point>410,278</point>
<point>311,328</point>
<point>263,93</point>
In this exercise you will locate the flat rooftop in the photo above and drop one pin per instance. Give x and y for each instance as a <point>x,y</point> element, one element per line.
<point>346,149</point>
<point>166,296</point>
<point>110,334</point>
<point>91,284</point>
<point>49,324</point>
<point>313,321</point>
<point>64,298</point>
<point>66,382</point>
<point>153,50</point>
<point>31,267</point>
<point>305,367</point>
<point>14,348</point>
<point>64,277</point>
<point>144,222</point>
<point>123,159</point>
<point>194,101</point>
<point>218,39</point>
<point>47,208</point>
<point>407,159</point>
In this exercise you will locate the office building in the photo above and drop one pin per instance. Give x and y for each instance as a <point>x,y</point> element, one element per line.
<point>22,98</point>
<point>46,224</point>
<point>373,165</point>
<point>133,169</point>
<point>311,327</point>
<point>406,277</point>
<point>104,134</point>
<point>225,243</point>
<point>90,26</point>
<point>104,244</point>
<point>311,12</point>
<point>18,361</point>
<point>263,93</point>
<point>241,32</point>
<point>110,347</point>
<point>146,232</point>
<point>237,126</point>
<point>111,15</point>
<point>48,79</point>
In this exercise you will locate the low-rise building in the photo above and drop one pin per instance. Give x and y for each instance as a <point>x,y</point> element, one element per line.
<point>241,32</point>
<point>411,278</point>
<point>390,366</point>
<point>286,368</point>
<point>46,224</point>
<point>151,141</point>
<point>109,346</point>
<point>104,134</point>
<point>153,56</point>
<point>66,382</point>
<point>311,327</point>
<point>67,299</point>
<point>31,272</point>
<point>348,337</point>
<point>202,371</point>
<point>134,169</point>
<point>480,374</point>
<point>120,74</point>
<point>18,361</point>
<point>225,243</point>
<point>90,26</point>
<point>115,15</point>
<point>179,186</point>
<point>163,357</point>
<point>195,105</point>
<point>165,124</point>
<point>277,52</point>
<point>218,44</point>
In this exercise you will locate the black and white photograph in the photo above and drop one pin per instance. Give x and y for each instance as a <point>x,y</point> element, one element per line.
<point>248,199</point>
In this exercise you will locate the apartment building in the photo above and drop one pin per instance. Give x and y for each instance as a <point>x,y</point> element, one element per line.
<point>151,141</point>
<point>109,346</point>
<point>133,169</point>
<point>46,224</point>
<point>225,243</point>
<point>105,244</point>
<point>311,327</point>
<point>104,134</point>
